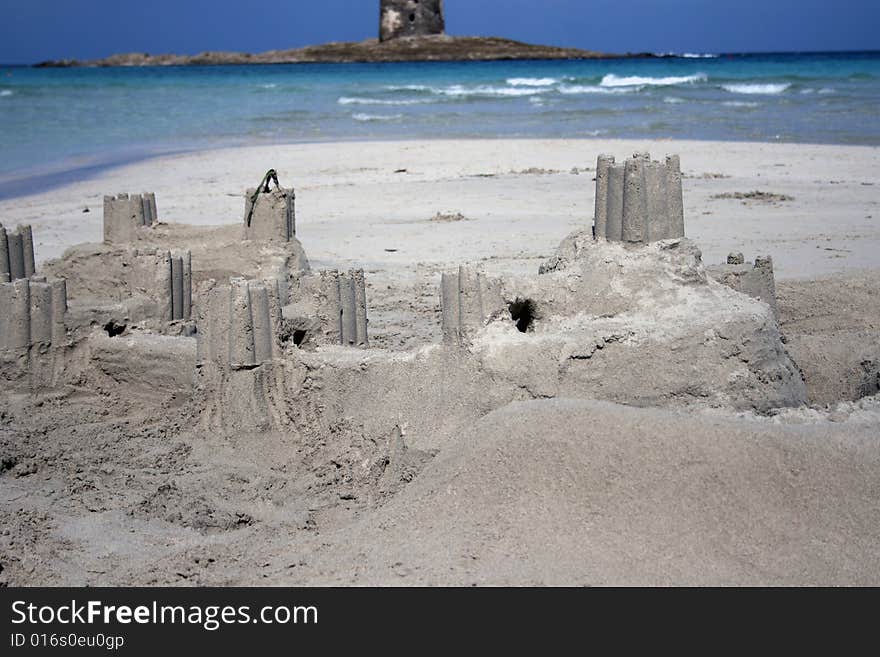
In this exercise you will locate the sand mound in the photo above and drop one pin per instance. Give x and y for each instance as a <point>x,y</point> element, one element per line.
<point>832,331</point>
<point>580,492</point>
<point>640,326</point>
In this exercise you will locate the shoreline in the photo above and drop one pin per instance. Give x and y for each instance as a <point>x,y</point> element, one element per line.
<point>53,175</point>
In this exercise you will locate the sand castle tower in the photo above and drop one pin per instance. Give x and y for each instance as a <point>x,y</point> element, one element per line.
<point>638,201</point>
<point>405,18</point>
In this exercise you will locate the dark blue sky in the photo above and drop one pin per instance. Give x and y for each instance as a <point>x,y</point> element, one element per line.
<point>34,30</point>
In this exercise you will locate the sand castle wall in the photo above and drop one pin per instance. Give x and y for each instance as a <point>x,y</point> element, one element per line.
<point>239,325</point>
<point>755,280</point>
<point>118,287</point>
<point>163,276</point>
<point>467,300</point>
<point>125,215</point>
<point>329,307</point>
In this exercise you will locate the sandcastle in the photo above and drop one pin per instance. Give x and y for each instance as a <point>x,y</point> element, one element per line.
<point>268,337</point>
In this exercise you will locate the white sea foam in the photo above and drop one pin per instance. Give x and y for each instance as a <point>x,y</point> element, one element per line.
<point>593,89</point>
<point>407,87</point>
<point>823,91</point>
<point>686,55</point>
<point>268,85</point>
<point>612,80</point>
<point>460,90</point>
<point>531,82</point>
<point>452,91</point>
<point>769,89</point>
<point>376,117</point>
<point>349,100</point>
<point>740,103</point>
<point>672,100</point>
<point>6,92</point>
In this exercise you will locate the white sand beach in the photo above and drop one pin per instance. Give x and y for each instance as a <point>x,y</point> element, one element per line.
<point>520,197</point>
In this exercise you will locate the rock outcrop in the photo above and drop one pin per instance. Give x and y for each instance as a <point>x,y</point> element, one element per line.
<point>407,18</point>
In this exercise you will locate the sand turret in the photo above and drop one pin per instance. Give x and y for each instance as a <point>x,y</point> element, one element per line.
<point>125,215</point>
<point>16,253</point>
<point>32,313</point>
<point>638,201</point>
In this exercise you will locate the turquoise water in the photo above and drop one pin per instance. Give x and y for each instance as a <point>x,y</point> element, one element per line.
<point>69,121</point>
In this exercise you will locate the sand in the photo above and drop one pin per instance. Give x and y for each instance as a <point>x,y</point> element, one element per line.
<point>109,481</point>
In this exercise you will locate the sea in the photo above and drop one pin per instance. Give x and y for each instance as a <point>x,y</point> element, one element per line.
<point>64,124</point>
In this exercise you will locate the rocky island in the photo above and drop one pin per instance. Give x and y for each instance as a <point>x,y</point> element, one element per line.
<point>435,48</point>
<point>408,32</point>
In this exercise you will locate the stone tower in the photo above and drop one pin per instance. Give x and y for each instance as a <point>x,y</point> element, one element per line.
<point>404,18</point>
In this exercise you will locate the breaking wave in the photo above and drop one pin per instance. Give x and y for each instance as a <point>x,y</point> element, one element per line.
<point>354,100</point>
<point>769,89</point>
<point>366,118</point>
<point>532,82</point>
<point>612,80</point>
<point>459,90</point>
<point>407,87</point>
<point>593,89</point>
<point>740,103</point>
<point>6,92</point>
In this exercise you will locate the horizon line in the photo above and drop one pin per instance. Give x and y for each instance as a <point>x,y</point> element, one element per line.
<point>669,54</point>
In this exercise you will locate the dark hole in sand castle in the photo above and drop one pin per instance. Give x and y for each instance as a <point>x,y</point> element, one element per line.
<point>299,337</point>
<point>113,329</point>
<point>522,311</point>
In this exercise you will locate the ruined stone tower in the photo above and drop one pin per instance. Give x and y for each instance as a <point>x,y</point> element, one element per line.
<point>403,18</point>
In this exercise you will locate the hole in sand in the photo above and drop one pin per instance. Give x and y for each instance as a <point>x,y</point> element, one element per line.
<point>299,337</point>
<point>412,18</point>
<point>113,329</point>
<point>522,311</point>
